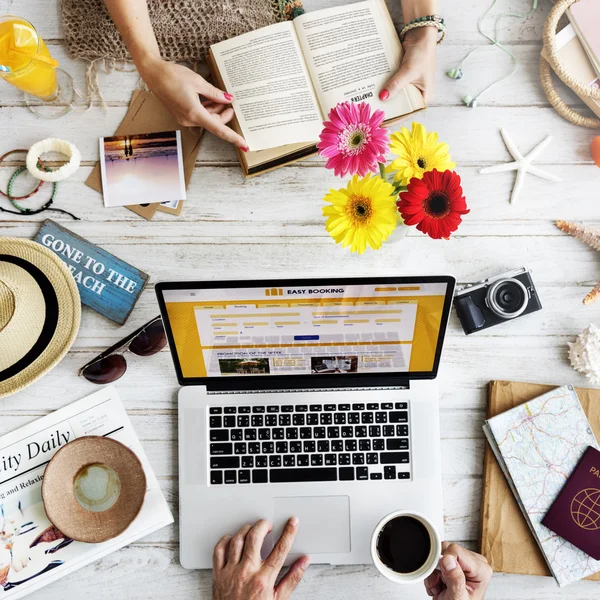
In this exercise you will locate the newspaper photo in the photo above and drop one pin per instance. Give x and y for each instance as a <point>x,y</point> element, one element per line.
<point>33,552</point>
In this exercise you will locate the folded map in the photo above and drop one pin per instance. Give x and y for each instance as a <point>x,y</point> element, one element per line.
<point>538,445</point>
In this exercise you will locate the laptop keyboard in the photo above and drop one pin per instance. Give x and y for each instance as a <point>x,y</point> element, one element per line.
<point>309,442</point>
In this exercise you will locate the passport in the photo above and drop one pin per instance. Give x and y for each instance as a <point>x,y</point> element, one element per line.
<point>575,514</point>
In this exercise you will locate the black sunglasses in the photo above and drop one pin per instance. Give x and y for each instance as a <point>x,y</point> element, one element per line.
<point>109,366</point>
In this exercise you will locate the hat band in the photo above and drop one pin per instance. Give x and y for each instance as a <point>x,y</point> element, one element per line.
<point>50,322</point>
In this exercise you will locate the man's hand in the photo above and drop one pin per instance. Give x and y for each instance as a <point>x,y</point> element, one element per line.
<point>240,574</point>
<point>464,575</point>
<point>418,64</point>
<point>179,89</point>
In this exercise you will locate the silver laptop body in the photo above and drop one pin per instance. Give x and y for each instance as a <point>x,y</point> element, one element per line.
<point>337,446</point>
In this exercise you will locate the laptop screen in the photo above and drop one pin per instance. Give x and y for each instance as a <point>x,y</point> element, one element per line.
<point>306,328</point>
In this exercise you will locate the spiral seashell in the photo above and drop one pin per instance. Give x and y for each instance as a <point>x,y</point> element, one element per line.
<point>584,353</point>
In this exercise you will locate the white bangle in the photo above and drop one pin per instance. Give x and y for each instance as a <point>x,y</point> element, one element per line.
<point>53,145</point>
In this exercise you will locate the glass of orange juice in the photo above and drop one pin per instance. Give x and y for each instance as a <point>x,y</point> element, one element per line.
<point>26,63</point>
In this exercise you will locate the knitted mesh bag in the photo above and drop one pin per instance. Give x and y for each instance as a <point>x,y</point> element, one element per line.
<point>184,29</point>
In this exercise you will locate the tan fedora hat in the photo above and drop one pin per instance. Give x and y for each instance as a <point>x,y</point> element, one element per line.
<point>40,312</point>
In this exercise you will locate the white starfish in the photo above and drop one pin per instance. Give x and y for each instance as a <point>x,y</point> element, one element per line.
<point>521,164</point>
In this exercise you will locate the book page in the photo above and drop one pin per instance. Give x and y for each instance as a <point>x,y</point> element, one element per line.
<point>351,51</point>
<point>274,100</point>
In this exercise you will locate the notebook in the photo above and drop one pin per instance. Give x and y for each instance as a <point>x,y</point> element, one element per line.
<point>285,78</point>
<point>506,539</point>
<point>585,17</point>
<point>577,63</point>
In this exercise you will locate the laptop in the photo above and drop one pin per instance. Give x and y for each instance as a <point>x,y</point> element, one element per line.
<point>312,398</point>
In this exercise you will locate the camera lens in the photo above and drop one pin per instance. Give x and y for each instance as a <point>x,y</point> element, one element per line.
<point>507,298</point>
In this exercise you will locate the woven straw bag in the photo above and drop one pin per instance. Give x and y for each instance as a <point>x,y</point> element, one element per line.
<point>554,63</point>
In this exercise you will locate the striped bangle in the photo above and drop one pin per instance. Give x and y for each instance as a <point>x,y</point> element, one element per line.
<point>428,21</point>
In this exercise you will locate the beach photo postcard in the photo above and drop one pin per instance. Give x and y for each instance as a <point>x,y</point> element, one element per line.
<point>143,168</point>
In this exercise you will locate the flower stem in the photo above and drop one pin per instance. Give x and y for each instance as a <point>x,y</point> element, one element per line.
<point>382,171</point>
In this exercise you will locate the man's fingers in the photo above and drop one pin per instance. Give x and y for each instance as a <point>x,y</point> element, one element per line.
<point>236,545</point>
<point>254,540</point>
<point>292,578</point>
<point>282,548</point>
<point>213,93</point>
<point>454,578</point>
<point>474,566</point>
<point>401,79</point>
<point>433,584</point>
<point>220,553</point>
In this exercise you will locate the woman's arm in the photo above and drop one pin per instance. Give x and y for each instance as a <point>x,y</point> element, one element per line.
<point>178,87</point>
<point>418,61</point>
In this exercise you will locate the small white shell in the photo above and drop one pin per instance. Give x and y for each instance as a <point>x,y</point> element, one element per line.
<point>584,353</point>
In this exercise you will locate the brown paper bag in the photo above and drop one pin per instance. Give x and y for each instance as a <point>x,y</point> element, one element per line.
<point>506,540</point>
<point>147,114</point>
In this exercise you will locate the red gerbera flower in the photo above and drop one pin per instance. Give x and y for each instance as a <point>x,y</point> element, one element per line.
<point>434,204</point>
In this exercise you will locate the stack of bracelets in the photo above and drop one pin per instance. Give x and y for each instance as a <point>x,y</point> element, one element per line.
<point>21,210</point>
<point>428,21</point>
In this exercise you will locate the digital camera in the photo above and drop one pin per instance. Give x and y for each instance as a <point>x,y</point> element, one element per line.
<point>496,300</point>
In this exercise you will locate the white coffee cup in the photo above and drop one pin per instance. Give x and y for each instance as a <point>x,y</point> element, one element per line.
<point>427,568</point>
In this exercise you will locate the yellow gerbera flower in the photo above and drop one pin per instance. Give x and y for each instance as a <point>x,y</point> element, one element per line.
<point>418,152</point>
<point>362,213</point>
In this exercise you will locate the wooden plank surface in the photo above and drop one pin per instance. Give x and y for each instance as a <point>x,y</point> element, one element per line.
<point>272,225</point>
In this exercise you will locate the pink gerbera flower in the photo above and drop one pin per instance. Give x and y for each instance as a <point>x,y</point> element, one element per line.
<point>353,140</point>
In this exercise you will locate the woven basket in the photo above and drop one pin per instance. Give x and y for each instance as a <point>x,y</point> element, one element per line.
<point>554,63</point>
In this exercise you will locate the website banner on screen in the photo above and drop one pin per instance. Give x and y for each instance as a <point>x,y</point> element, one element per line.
<point>306,330</point>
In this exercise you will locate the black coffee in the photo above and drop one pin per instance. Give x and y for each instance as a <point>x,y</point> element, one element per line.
<point>404,545</point>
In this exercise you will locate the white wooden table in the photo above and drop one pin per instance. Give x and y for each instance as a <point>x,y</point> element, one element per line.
<point>272,226</point>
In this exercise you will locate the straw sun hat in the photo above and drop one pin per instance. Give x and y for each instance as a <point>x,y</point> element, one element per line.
<point>39,312</point>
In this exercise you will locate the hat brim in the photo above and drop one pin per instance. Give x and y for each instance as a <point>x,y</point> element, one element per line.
<point>43,272</point>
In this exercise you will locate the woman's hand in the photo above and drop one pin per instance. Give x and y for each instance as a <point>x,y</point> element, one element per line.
<point>179,89</point>
<point>418,64</point>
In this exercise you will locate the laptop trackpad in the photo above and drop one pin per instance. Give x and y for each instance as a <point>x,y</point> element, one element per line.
<point>324,523</point>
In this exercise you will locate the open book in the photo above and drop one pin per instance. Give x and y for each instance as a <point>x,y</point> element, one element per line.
<point>285,78</point>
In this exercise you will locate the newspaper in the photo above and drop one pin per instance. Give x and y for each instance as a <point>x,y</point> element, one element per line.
<point>32,552</point>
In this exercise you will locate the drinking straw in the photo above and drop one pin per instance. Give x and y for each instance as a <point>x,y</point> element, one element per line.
<point>4,69</point>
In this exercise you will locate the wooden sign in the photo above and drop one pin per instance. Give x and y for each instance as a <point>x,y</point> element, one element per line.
<point>106,283</point>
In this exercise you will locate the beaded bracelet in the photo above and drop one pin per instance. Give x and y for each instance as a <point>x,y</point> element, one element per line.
<point>13,199</point>
<point>39,185</point>
<point>428,21</point>
<point>28,211</point>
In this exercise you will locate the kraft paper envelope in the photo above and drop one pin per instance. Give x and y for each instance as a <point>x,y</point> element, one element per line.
<point>506,540</point>
<point>146,114</point>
